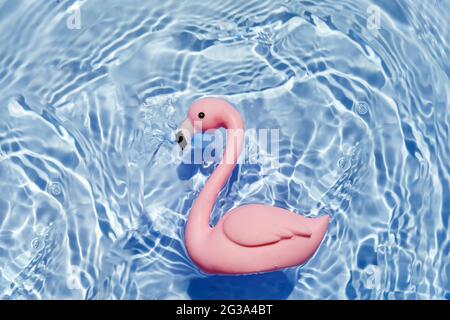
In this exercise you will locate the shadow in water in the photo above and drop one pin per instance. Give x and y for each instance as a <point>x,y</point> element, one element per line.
<point>274,285</point>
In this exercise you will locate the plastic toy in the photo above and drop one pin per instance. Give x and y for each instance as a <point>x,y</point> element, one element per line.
<point>249,239</point>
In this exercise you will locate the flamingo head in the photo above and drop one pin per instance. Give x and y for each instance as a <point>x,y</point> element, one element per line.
<point>207,114</point>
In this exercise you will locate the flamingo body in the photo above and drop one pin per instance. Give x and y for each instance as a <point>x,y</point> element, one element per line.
<point>252,238</point>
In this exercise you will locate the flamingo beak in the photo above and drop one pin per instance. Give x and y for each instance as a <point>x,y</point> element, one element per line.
<point>184,134</point>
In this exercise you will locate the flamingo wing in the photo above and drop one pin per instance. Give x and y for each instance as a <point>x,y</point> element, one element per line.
<point>258,225</point>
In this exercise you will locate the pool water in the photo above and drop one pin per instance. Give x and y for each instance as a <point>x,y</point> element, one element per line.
<point>91,207</point>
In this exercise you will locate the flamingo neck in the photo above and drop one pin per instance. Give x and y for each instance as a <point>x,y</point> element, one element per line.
<point>198,221</point>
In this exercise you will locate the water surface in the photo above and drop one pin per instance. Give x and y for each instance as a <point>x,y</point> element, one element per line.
<point>91,208</point>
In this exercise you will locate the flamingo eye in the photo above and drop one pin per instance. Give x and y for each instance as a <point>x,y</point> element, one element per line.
<point>201,115</point>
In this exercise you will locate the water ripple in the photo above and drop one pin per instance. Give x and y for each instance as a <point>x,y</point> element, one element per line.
<point>92,208</point>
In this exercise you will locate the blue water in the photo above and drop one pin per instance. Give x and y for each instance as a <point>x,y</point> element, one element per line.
<point>91,208</point>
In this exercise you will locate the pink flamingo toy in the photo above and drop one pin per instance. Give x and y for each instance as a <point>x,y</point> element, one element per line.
<point>249,239</point>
